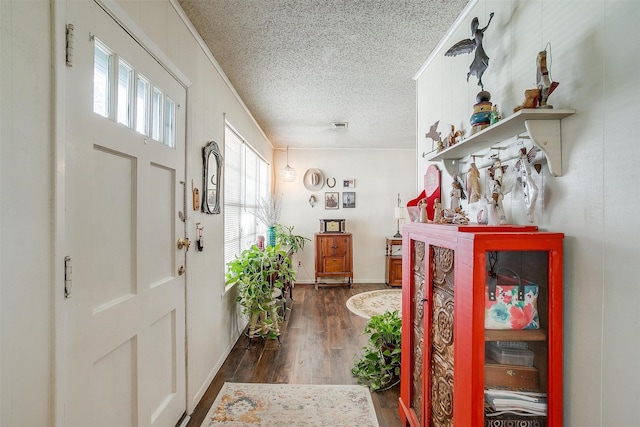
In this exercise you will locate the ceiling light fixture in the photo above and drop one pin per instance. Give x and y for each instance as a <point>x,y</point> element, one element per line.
<point>288,174</point>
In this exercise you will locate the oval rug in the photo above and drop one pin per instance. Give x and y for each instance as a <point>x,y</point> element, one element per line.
<point>373,303</point>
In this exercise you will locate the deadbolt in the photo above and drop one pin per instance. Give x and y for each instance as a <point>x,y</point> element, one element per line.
<point>181,270</point>
<point>184,243</point>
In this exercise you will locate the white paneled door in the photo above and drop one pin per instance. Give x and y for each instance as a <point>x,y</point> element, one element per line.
<point>124,319</point>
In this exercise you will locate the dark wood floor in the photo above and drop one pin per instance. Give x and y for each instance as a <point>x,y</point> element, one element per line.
<point>319,343</point>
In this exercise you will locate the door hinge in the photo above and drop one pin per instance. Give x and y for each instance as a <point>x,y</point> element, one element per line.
<point>67,276</point>
<point>69,47</point>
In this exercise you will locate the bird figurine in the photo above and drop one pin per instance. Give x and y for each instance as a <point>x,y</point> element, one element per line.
<point>481,60</point>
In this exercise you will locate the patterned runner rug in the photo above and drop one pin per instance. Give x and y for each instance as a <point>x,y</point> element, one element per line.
<point>367,304</point>
<point>299,405</point>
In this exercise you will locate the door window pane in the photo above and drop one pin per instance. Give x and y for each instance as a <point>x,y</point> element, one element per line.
<point>170,123</point>
<point>125,90</point>
<point>156,114</point>
<point>142,105</point>
<point>101,79</point>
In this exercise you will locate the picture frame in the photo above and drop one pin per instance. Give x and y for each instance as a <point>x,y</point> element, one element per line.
<point>332,200</point>
<point>349,183</point>
<point>349,199</point>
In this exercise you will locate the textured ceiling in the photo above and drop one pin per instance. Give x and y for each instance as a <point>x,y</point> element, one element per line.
<point>300,65</point>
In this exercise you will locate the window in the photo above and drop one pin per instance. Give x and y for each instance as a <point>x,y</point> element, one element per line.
<point>246,182</point>
<point>170,123</point>
<point>156,114</point>
<point>129,98</point>
<point>125,92</point>
<point>102,58</point>
<point>142,105</point>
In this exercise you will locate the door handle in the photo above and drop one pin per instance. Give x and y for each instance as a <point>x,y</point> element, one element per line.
<point>184,243</point>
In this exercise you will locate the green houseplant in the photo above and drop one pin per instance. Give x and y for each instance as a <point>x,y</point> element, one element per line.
<point>286,239</point>
<point>257,273</point>
<point>379,366</point>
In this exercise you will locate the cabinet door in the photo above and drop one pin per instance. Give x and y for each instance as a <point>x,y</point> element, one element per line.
<point>334,246</point>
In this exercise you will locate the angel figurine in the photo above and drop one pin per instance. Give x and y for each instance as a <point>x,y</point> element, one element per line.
<point>474,183</point>
<point>481,60</point>
<point>529,187</point>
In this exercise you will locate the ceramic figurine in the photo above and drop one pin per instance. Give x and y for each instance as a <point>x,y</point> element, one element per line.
<point>529,187</point>
<point>481,60</point>
<point>453,137</point>
<point>437,211</point>
<point>545,84</point>
<point>474,183</point>
<point>456,194</point>
<point>481,117</point>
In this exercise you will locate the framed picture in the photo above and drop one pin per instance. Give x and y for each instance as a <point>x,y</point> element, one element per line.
<point>349,199</point>
<point>349,183</point>
<point>331,200</point>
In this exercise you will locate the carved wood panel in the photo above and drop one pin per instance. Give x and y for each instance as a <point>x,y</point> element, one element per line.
<point>442,345</point>
<point>418,328</point>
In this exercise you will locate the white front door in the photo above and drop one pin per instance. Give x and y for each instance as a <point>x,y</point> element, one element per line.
<point>124,320</point>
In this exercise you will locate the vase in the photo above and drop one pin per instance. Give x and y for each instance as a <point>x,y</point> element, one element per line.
<point>271,236</point>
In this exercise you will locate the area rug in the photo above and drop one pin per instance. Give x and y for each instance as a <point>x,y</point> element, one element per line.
<point>372,303</point>
<point>300,405</point>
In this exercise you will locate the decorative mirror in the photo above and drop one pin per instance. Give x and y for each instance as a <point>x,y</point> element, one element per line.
<point>212,181</point>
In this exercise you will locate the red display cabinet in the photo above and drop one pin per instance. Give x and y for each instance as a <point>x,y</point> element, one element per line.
<point>444,273</point>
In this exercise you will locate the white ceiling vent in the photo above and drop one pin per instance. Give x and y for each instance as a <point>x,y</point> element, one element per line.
<point>340,125</point>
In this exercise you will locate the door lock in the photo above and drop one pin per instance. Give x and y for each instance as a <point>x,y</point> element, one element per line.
<point>184,243</point>
<point>181,270</point>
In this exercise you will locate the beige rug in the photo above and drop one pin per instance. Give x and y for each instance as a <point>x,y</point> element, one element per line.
<point>372,303</point>
<point>298,405</point>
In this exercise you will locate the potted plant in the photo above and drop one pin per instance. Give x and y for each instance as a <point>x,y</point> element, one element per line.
<point>286,239</point>
<point>268,212</point>
<point>257,274</point>
<point>379,366</point>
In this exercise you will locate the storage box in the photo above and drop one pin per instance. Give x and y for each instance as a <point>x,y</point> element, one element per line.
<point>511,376</point>
<point>509,356</point>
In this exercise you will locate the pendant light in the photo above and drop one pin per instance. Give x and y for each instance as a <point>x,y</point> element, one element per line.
<point>288,174</point>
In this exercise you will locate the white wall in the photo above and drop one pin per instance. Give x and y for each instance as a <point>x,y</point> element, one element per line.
<point>25,228</point>
<point>380,175</point>
<point>590,202</point>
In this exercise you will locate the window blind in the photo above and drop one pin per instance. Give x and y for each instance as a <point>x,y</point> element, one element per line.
<point>246,181</point>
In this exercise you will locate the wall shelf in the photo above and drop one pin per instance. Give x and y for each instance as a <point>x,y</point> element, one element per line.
<point>542,125</point>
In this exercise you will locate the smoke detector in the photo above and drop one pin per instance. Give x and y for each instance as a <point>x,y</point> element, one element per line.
<point>340,125</point>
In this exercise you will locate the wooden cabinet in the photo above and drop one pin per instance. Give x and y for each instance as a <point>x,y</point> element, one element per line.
<point>334,256</point>
<point>445,271</point>
<point>393,262</point>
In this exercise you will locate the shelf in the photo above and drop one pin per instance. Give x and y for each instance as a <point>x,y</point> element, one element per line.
<point>515,335</point>
<point>542,125</point>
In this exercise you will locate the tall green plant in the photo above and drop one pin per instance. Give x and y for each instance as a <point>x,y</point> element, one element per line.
<point>379,366</point>
<point>257,272</point>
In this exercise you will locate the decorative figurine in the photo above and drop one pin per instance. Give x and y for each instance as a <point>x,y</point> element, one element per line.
<point>437,211</point>
<point>455,195</point>
<point>545,84</point>
<point>474,183</point>
<point>453,137</point>
<point>531,99</point>
<point>481,117</point>
<point>529,187</point>
<point>481,60</point>
<point>435,135</point>
<point>495,115</point>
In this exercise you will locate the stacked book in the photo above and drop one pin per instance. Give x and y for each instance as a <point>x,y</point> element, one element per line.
<point>509,402</point>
